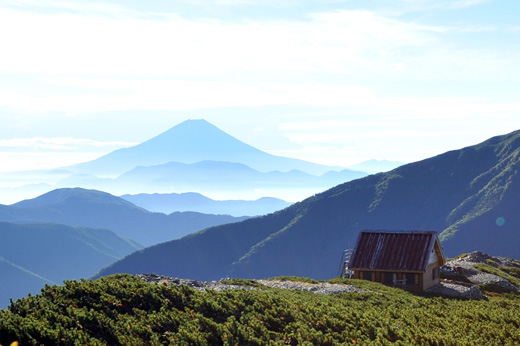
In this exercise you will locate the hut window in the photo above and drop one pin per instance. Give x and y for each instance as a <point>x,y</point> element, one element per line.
<point>412,279</point>
<point>367,276</point>
<point>389,278</point>
<point>435,273</point>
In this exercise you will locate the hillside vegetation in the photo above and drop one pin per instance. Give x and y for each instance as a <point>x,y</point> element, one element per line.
<point>124,310</point>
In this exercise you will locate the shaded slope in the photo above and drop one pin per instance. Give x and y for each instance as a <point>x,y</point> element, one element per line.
<point>17,282</point>
<point>32,255</point>
<point>91,208</point>
<point>189,142</point>
<point>206,254</point>
<point>460,193</point>
<point>57,252</point>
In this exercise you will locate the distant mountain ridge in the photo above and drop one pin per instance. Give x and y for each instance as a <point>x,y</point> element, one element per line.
<point>189,142</point>
<point>212,177</point>
<point>191,201</point>
<point>91,208</point>
<point>470,196</point>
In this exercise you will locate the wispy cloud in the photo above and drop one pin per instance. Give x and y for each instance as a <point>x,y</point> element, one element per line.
<point>17,154</point>
<point>59,143</point>
<point>84,8</point>
<point>425,126</point>
<point>424,5</point>
<point>170,64</point>
<point>59,43</point>
<point>187,94</point>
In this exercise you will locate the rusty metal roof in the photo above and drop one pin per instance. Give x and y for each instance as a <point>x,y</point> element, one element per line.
<point>407,251</point>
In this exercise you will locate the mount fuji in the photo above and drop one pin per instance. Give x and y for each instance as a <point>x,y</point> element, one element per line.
<point>194,141</point>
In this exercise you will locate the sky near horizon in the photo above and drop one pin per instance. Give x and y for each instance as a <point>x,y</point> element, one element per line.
<point>330,81</point>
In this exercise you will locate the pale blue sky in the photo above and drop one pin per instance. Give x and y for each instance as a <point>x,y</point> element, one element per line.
<point>334,82</point>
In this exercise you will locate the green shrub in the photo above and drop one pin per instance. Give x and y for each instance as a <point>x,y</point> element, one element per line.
<point>494,288</point>
<point>242,282</point>
<point>295,279</point>
<point>124,310</point>
<point>491,262</point>
<point>513,271</point>
<point>498,272</point>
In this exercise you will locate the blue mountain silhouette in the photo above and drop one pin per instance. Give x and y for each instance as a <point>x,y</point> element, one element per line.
<point>189,142</point>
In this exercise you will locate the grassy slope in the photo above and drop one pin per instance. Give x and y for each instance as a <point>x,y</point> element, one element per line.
<point>123,310</point>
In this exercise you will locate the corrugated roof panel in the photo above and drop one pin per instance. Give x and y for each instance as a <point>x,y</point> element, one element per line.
<point>393,250</point>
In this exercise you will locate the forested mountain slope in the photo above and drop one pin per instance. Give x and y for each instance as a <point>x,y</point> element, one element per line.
<point>470,196</point>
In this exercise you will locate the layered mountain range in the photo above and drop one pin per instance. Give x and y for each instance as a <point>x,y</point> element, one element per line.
<point>213,177</point>
<point>190,201</point>
<point>470,196</point>
<point>73,233</point>
<point>91,208</point>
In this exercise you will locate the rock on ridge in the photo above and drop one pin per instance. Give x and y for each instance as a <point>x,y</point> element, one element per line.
<point>465,265</point>
<point>320,288</point>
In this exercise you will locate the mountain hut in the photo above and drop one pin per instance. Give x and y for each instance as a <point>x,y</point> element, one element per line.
<point>410,260</point>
